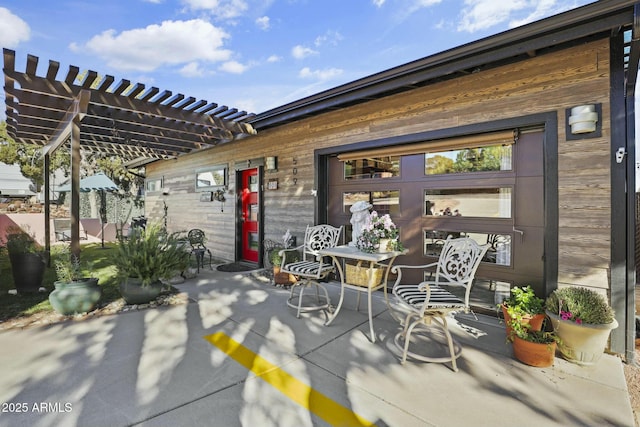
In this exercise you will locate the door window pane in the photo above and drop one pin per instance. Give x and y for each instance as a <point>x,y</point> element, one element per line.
<point>348,199</point>
<point>253,241</point>
<point>499,253</point>
<point>474,202</point>
<point>253,213</point>
<point>384,202</point>
<point>371,168</point>
<point>493,158</point>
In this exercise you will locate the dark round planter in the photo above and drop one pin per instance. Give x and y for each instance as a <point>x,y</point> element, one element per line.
<point>134,293</point>
<point>80,296</point>
<point>28,271</point>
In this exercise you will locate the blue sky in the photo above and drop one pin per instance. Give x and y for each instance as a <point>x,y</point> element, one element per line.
<point>253,55</point>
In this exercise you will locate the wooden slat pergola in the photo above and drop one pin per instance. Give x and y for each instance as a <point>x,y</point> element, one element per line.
<point>136,124</point>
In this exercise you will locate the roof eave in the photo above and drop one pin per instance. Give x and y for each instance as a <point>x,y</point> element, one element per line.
<point>575,24</point>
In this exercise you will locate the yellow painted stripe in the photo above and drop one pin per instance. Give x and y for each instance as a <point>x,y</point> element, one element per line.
<point>329,410</point>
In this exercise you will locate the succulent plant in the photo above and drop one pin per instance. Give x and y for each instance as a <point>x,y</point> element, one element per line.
<point>580,304</point>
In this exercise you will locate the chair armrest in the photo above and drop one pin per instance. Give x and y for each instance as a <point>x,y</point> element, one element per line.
<point>297,248</point>
<point>397,269</point>
<point>282,254</point>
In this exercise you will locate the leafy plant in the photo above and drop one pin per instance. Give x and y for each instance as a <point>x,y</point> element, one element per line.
<point>523,331</point>
<point>19,241</point>
<point>379,227</point>
<point>275,259</point>
<point>580,305</point>
<point>150,254</point>
<point>522,301</point>
<point>69,268</point>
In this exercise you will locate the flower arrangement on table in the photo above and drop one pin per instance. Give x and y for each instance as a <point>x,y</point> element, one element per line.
<point>377,229</point>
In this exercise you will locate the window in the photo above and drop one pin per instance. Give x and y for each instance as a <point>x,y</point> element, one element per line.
<point>371,168</point>
<point>210,178</point>
<point>499,253</point>
<point>154,185</point>
<point>384,202</point>
<point>491,158</point>
<point>469,202</point>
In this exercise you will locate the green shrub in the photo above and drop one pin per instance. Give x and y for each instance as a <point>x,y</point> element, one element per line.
<point>150,254</point>
<point>579,304</point>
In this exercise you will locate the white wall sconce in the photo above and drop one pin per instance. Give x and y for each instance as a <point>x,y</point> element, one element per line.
<point>271,163</point>
<point>583,121</point>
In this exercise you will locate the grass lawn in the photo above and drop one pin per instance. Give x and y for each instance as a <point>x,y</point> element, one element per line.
<point>12,306</point>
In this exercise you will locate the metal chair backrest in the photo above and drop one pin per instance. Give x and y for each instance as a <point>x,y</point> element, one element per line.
<point>196,238</point>
<point>458,263</point>
<point>318,237</point>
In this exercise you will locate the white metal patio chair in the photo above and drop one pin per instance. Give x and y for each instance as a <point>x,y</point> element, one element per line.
<point>428,303</point>
<point>312,268</point>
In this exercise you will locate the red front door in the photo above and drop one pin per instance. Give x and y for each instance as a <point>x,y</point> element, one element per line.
<point>250,215</point>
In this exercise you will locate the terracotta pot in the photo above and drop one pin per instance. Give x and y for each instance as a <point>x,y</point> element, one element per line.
<point>540,355</point>
<point>582,344</point>
<point>535,320</point>
<point>284,278</point>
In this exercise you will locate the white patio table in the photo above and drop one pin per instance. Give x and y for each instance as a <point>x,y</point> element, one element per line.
<point>375,260</point>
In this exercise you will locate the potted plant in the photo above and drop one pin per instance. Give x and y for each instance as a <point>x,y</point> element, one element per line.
<point>523,306</point>
<point>583,320</point>
<point>148,256</point>
<point>379,234</point>
<point>533,347</point>
<point>290,255</point>
<point>75,291</point>
<point>28,260</point>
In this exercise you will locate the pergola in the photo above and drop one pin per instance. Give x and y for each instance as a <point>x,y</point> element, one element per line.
<point>136,124</point>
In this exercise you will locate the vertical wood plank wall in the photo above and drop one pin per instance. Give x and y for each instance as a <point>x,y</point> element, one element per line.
<point>551,82</point>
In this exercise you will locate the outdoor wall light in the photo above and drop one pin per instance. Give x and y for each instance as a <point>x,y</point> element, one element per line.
<point>583,119</point>
<point>271,163</point>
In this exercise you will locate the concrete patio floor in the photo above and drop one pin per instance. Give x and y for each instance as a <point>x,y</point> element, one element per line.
<point>237,356</point>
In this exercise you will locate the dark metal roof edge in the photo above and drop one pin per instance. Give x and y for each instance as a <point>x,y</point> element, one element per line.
<point>620,10</point>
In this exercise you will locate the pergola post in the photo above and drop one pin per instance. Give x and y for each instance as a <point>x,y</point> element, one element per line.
<point>69,127</point>
<point>47,207</point>
<point>75,186</point>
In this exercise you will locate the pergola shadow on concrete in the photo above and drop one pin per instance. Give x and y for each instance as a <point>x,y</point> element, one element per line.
<point>136,124</point>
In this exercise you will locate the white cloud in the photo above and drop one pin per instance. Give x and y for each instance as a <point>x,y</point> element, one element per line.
<point>171,43</point>
<point>263,23</point>
<point>233,67</point>
<point>378,3</point>
<point>274,58</point>
<point>542,9</point>
<point>483,14</point>
<point>330,37</point>
<point>412,6</point>
<point>326,74</point>
<point>13,30</point>
<point>300,52</point>
<point>223,9</point>
<point>192,69</point>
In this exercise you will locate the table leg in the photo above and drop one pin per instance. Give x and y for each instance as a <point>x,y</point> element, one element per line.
<point>341,273</point>
<point>369,307</point>
<point>373,335</point>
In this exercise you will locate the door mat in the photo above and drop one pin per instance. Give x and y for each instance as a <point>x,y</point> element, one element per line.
<point>234,267</point>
